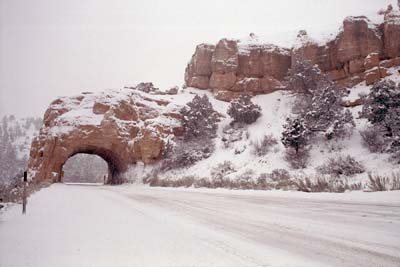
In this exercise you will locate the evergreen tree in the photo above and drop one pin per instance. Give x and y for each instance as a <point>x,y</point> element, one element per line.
<point>199,118</point>
<point>318,101</point>
<point>382,109</point>
<point>243,110</point>
<point>295,134</point>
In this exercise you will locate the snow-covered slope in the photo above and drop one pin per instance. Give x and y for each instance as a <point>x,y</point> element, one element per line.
<point>276,107</point>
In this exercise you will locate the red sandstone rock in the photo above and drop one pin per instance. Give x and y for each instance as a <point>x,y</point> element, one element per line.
<point>225,95</point>
<point>251,66</point>
<point>358,39</point>
<point>221,81</point>
<point>122,127</point>
<point>373,75</point>
<point>201,82</point>
<point>392,34</point>
<point>390,62</point>
<point>371,61</point>
<point>225,58</point>
<point>198,71</point>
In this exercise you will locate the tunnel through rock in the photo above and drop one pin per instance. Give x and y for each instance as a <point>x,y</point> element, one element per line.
<point>92,165</point>
<point>121,126</point>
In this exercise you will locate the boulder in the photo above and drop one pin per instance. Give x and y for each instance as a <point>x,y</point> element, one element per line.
<point>371,61</point>
<point>373,75</point>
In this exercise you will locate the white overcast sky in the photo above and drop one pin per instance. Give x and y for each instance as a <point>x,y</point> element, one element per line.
<point>51,48</point>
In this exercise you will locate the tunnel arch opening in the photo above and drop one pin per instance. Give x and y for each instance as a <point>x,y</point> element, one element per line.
<point>85,169</point>
<point>114,165</point>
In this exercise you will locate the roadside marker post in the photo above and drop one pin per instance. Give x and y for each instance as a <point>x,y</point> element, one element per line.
<point>24,193</point>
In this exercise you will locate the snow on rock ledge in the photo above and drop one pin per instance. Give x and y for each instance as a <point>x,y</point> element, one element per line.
<point>249,65</point>
<point>121,126</point>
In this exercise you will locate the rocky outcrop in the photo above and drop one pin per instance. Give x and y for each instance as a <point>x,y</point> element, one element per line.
<point>391,31</point>
<point>232,67</point>
<point>121,126</point>
<point>343,57</point>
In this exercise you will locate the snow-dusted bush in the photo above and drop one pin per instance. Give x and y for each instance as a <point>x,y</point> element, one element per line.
<point>325,184</point>
<point>245,180</point>
<point>297,159</point>
<point>373,139</point>
<point>199,119</point>
<point>187,153</point>
<point>281,179</point>
<point>263,147</point>
<point>262,182</point>
<point>346,166</point>
<point>318,101</point>
<point>382,109</point>
<point>279,175</point>
<point>232,134</point>
<point>243,110</point>
<point>383,183</point>
<point>219,172</point>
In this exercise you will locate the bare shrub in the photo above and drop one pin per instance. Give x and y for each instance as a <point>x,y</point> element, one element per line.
<point>262,182</point>
<point>281,179</point>
<point>373,139</point>
<point>243,110</point>
<point>219,172</point>
<point>185,154</point>
<point>184,181</point>
<point>299,159</point>
<point>336,167</point>
<point>325,184</point>
<point>263,147</point>
<point>232,134</point>
<point>383,183</point>
<point>245,180</point>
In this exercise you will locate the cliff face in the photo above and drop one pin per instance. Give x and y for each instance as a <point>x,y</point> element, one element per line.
<point>235,66</point>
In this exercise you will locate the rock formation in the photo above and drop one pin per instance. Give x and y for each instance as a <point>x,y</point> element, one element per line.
<point>235,66</point>
<point>121,126</point>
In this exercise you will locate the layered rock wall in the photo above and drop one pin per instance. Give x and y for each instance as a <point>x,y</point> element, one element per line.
<point>232,67</point>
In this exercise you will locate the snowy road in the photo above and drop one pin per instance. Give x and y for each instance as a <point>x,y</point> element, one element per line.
<point>142,226</point>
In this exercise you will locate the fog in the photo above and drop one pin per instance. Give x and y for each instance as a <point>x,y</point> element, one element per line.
<point>52,48</point>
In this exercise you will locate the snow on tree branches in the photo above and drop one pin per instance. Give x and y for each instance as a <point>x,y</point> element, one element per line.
<point>318,101</point>
<point>199,118</point>
<point>242,110</point>
<point>295,134</point>
<point>382,109</point>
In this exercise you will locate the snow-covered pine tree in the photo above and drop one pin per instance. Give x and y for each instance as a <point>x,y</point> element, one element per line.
<point>295,135</point>
<point>382,109</point>
<point>199,118</point>
<point>384,96</point>
<point>318,101</point>
<point>243,110</point>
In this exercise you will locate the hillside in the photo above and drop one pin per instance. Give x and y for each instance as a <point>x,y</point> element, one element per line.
<point>276,107</point>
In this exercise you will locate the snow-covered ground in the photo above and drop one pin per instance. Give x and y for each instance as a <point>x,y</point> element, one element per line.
<point>141,226</point>
<point>276,107</point>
